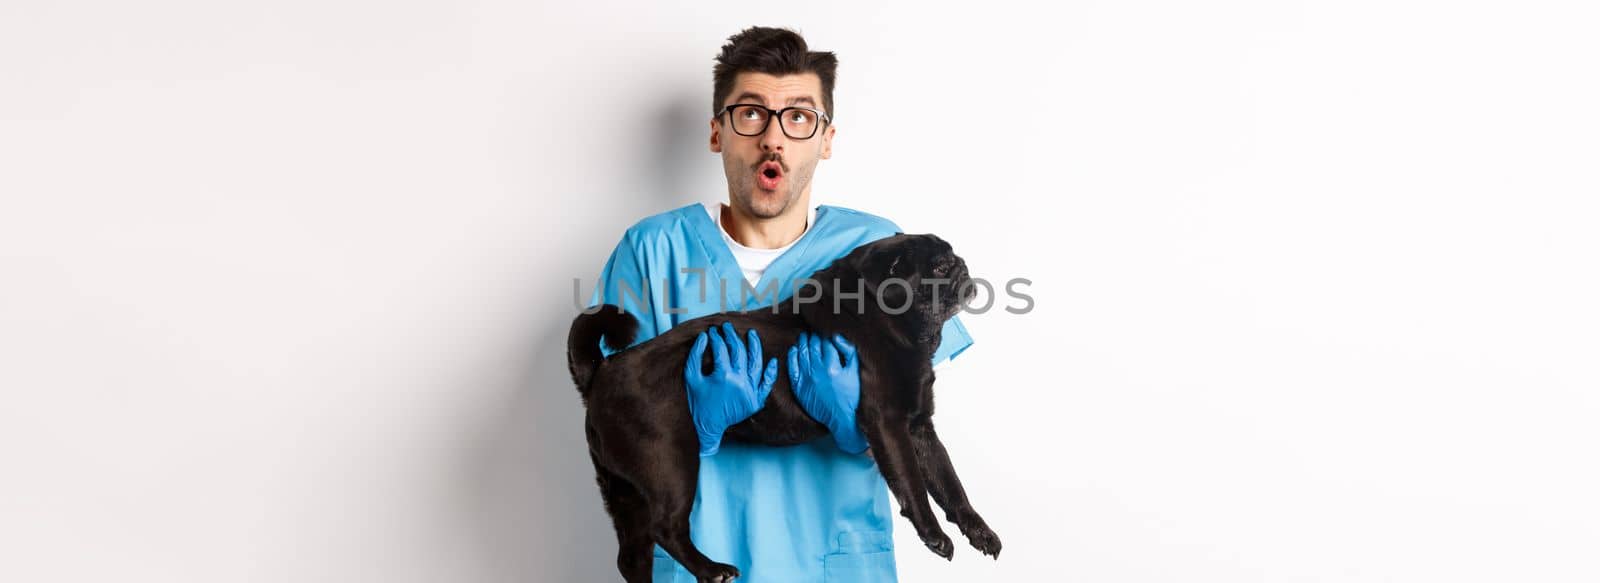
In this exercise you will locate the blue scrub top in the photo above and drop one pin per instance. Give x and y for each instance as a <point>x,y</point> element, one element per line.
<point>807,513</point>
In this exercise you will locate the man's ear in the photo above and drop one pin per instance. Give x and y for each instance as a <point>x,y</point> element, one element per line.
<point>716,137</point>
<point>827,142</point>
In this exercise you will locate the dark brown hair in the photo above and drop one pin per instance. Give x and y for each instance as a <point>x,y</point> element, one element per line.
<point>774,51</point>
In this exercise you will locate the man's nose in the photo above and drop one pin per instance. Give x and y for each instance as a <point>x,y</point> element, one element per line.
<point>773,139</point>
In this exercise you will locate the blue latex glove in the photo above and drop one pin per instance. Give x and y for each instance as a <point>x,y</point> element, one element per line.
<point>736,388</point>
<point>828,389</point>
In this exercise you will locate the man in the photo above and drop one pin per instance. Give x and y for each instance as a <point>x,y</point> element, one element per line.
<point>814,512</point>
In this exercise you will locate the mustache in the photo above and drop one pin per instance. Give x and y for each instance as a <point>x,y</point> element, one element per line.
<point>771,158</point>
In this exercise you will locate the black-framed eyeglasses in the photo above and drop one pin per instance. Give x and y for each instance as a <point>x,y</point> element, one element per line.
<point>799,123</point>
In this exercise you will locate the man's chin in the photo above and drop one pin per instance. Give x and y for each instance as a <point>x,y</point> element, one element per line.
<point>765,204</point>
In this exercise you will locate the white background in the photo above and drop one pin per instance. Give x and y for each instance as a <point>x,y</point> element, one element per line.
<point>284,286</point>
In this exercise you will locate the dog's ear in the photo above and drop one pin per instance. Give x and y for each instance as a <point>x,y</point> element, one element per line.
<point>848,282</point>
<point>894,293</point>
<point>893,275</point>
<point>814,296</point>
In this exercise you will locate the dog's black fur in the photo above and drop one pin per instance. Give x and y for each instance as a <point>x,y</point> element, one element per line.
<point>643,442</point>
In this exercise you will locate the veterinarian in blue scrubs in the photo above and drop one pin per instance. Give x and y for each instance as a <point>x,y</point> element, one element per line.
<point>800,514</point>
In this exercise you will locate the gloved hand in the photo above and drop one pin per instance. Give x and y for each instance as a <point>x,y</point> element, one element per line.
<point>828,389</point>
<point>736,388</point>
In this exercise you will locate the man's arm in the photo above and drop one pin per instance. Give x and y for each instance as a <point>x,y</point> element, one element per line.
<point>624,281</point>
<point>737,385</point>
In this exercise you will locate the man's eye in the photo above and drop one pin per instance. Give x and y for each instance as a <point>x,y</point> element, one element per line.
<point>799,116</point>
<point>750,114</point>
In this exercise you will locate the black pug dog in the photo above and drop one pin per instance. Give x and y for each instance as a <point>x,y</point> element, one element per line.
<point>643,442</point>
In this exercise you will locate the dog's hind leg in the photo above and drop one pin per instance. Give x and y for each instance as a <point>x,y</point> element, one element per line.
<point>630,514</point>
<point>946,488</point>
<point>890,439</point>
<point>670,491</point>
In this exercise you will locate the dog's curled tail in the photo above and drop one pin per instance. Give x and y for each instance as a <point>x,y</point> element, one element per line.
<point>583,341</point>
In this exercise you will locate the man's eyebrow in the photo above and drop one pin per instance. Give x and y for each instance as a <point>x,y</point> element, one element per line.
<point>750,96</point>
<point>760,99</point>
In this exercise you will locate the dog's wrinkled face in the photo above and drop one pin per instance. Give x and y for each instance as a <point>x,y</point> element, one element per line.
<point>916,277</point>
<point>923,265</point>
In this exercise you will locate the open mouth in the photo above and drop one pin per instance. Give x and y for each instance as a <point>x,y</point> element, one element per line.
<point>768,175</point>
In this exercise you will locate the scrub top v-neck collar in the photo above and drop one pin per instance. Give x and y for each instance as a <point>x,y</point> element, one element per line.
<point>727,267</point>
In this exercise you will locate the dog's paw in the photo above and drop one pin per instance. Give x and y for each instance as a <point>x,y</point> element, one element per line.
<point>985,540</point>
<point>718,573</point>
<point>940,545</point>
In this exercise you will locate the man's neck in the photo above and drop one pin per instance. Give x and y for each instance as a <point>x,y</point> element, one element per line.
<point>758,233</point>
